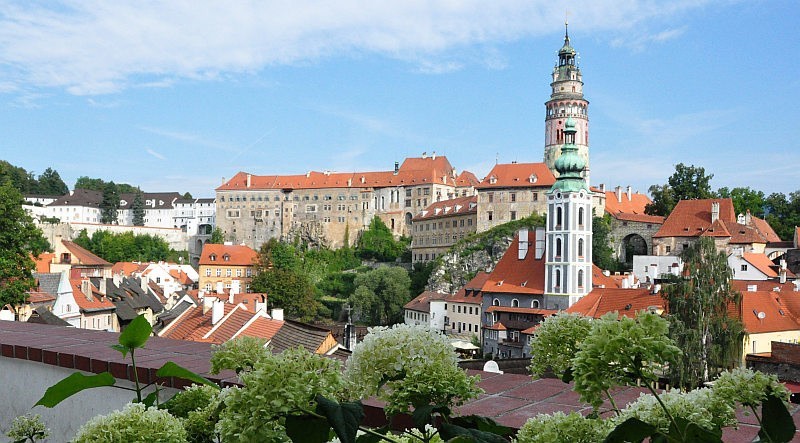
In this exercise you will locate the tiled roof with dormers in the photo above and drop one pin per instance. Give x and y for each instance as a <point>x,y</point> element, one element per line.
<point>626,302</point>
<point>96,302</point>
<point>691,218</point>
<point>512,275</point>
<point>518,175</point>
<point>414,171</point>
<point>765,229</point>
<point>618,202</point>
<point>449,208</point>
<point>766,285</point>
<point>777,315</point>
<point>471,292</point>
<point>237,255</point>
<point>80,197</point>
<point>83,256</point>
<point>422,302</point>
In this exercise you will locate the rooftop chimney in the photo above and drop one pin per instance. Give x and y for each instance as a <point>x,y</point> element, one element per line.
<point>629,191</point>
<point>219,288</point>
<point>714,211</point>
<point>433,157</point>
<point>396,167</point>
<point>277,314</point>
<point>217,311</point>
<point>618,190</point>
<point>103,286</point>
<point>602,187</point>
<point>249,179</point>
<point>207,303</point>
<point>86,288</point>
<point>539,243</point>
<point>782,270</point>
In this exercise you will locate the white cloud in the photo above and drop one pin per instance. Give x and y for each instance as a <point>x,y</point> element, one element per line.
<point>189,138</point>
<point>155,154</point>
<point>100,47</point>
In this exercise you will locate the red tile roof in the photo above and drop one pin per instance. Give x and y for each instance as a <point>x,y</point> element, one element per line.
<point>467,178</point>
<point>83,256</point>
<point>422,302</point>
<point>249,299</point>
<point>127,268</point>
<point>226,328</point>
<point>471,292</point>
<point>765,229</point>
<point>414,171</point>
<point>692,218</point>
<point>765,285</point>
<point>37,297</point>
<point>600,279</point>
<point>449,208</point>
<point>97,302</point>
<point>762,263</point>
<point>512,275</point>
<point>627,302</point>
<point>262,327</point>
<point>518,175</point>
<point>519,310</point>
<point>239,255</point>
<point>497,326</point>
<point>623,205</point>
<point>181,277</point>
<point>777,315</point>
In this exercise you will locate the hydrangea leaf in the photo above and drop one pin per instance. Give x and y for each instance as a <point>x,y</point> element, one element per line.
<point>136,334</point>
<point>73,384</point>
<point>343,417</point>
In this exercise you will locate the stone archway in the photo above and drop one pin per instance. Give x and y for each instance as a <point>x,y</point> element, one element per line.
<point>633,244</point>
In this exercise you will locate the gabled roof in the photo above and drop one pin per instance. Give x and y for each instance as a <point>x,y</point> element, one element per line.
<point>467,178</point>
<point>48,282</point>
<point>83,256</point>
<point>518,175</point>
<point>293,334</point>
<point>261,327</point>
<point>181,277</point>
<point>764,264</point>
<point>238,255</point>
<point>37,298</point>
<point>691,218</point>
<point>127,268</point>
<point>512,275</point>
<point>765,229</point>
<point>599,278</point>
<point>471,292</point>
<point>627,302</point>
<point>621,204</point>
<point>46,317</point>
<point>449,208</point>
<point>97,302</point>
<point>80,197</point>
<point>422,302</point>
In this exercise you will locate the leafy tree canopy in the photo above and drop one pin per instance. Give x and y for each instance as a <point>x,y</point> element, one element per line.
<point>380,295</point>
<point>686,183</point>
<point>20,239</point>
<point>377,243</point>
<point>290,290</point>
<point>125,247</point>
<point>48,183</point>
<point>110,204</point>
<point>602,254</point>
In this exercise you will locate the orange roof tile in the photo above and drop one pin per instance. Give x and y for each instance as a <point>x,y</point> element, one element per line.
<point>777,316</point>
<point>621,204</point>
<point>229,325</point>
<point>467,178</point>
<point>497,327</point>
<point>43,262</point>
<point>765,285</point>
<point>238,255</point>
<point>84,257</point>
<point>248,299</point>
<point>762,263</point>
<point>422,302</point>
<point>627,302</point>
<point>600,279</point>
<point>518,175</point>
<point>127,268</point>
<point>262,327</point>
<point>512,275</point>
<point>180,277</point>
<point>691,218</point>
<point>97,302</point>
<point>471,292</point>
<point>765,229</point>
<point>449,208</point>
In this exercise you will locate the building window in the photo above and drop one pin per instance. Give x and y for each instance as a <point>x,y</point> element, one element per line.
<point>580,217</point>
<point>208,272</point>
<point>668,249</point>
<point>535,304</point>
<point>228,272</point>
<point>490,215</point>
<point>490,197</point>
<point>744,267</point>
<point>239,272</point>
<point>513,215</point>
<point>512,196</point>
<point>580,278</point>
<point>233,213</point>
<point>580,248</point>
<point>515,303</point>
<point>219,272</point>
<point>495,302</point>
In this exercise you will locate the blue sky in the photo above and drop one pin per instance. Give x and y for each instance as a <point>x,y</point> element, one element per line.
<point>176,95</point>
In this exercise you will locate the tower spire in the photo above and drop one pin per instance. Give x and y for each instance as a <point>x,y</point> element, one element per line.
<point>566,28</point>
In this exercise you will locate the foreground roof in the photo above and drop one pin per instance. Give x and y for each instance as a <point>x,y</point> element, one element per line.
<point>237,255</point>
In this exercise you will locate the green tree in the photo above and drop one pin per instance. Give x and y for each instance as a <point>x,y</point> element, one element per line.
<point>20,239</point>
<point>275,254</point>
<point>137,207</point>
<point>378,243</point>
<point>420,274</point>
<point>699,302</point>
<point>188,195</point>
<point>91,184</point>
<point>110,204</point>
<point>686,183</point>
<point>602,254</point>
<point>50,183</point>
<point>217,237</point>
<point>783,213</point>
<point>380,295</point>
<point>125,246</point>
<point>745,199</point>
<point>20,179</point>
<point>290,290</point>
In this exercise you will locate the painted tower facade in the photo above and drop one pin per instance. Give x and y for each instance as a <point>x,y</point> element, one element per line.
<point>568,267</point>
<point>566,101</point>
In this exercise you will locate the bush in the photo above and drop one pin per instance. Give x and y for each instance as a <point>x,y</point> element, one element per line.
<point>134,423</point>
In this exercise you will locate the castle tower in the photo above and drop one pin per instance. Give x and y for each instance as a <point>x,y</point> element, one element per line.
<point>566,100</point>
<point>568,267</point>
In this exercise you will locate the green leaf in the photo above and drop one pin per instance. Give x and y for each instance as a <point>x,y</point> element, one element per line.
<point>73,384</point>
<point>694,433</point>
<point>423,415</point>
<point>122,349</point>
<point>450,431</point>
<point>631,430</point>
<point>150,399</point>
<point>307,429</point>
<point>136,333</point>
<point>485,424</point>
<point>343,417</point>
<point>170,369</point>
<point>567,376</point>
<point>776,422</point>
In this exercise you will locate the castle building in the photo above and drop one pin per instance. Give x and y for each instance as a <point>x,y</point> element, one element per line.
<point>568,266</point>
<point>566,101</point>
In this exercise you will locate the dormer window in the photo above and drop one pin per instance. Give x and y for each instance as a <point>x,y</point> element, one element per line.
<point>213,257</point>
<point>533,178</point>
<point>226,257</point>
<point>492,180</point>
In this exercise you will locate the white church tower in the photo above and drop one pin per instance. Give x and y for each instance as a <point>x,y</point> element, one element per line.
<point>568,268</point>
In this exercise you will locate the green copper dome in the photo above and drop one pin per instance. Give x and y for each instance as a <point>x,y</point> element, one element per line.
<point>569,164</point>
